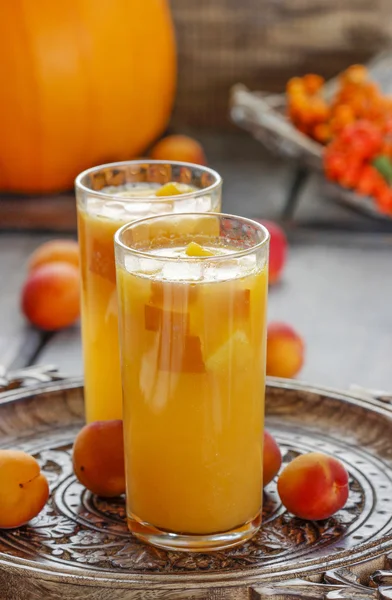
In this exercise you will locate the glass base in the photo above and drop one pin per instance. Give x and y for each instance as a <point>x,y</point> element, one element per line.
<point>193,542</point>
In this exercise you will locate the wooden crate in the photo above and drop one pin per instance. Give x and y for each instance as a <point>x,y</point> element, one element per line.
<point>56,212</point>
<point>262,43</point>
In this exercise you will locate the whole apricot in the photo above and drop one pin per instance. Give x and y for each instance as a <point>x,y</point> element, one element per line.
<point>313,486</point>
<point>285,351</point>
<point>179,147</point>
<point>24,490</point>
<point>55,251</point>
<point>272,458</point>
<point>98,458</point>
<point>51,296</point>
<point>277,251</point>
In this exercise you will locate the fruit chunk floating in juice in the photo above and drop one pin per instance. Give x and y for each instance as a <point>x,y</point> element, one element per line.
<point>97,223</point>
<point>193,367</point>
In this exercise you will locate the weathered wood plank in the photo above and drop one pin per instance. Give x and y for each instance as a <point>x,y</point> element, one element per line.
<point>255,184</point>
<point>64,350</point>
<point>334,290</point>
<point>43,213</point>
<point>335,295</point>
<point>14,334</point>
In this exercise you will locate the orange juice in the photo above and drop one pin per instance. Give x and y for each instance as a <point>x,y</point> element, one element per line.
<point>102,380</point>
<point>193,369</point>
<point>98,220</point>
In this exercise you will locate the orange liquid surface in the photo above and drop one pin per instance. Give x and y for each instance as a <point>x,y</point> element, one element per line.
<point>193,361</point>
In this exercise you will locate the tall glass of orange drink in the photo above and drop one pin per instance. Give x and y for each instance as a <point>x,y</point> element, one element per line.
<point>107,197</point>
<point>192,303</point>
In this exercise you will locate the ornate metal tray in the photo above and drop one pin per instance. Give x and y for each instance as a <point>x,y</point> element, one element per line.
<point>79,546</point>
<point>264,116</point>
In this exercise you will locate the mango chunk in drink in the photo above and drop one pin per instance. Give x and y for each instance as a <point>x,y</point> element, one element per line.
<point>194,249</point>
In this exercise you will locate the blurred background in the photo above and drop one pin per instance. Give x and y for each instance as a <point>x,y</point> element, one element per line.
<point>100,81</point>
<point>262,43</point>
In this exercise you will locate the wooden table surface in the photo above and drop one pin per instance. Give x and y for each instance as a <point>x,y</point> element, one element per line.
<point>336,290</point>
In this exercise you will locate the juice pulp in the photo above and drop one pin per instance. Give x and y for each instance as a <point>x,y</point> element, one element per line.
<point>96,228</point>
<point>193,366</point>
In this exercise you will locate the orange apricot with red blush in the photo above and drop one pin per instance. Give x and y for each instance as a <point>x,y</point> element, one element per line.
<point>55,251</point>
<point>272,458</point>
<point>180,148</point>
<point>51,296</point>
<point>314,486</point>
<point>24,490</point>
<point>285,350</point>
<point>277,251</point>
<point>98,458</point>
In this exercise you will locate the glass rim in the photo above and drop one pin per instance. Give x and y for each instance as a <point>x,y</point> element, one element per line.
<point>159,199</point>
<point>215,258</point>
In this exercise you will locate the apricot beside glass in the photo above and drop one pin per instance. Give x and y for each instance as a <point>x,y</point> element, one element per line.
<point>285,350</point>
<point>272,458</point>
<point>314,486</point>
<point>98,458</point>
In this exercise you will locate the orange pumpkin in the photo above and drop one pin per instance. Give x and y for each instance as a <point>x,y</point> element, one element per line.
<point>83,82</point>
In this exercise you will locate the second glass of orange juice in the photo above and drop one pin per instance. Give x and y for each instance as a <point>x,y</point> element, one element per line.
<point>107,197</point>
<point>192,302</point>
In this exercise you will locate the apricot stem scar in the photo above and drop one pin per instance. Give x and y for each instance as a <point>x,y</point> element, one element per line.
<point>21,485</point>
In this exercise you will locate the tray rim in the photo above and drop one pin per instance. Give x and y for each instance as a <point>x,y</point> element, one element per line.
<point>353,397</point>
<point>77,575</point>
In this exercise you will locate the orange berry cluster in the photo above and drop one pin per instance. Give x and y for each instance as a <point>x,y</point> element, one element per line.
<point>307,108</point>
<point>355,160</point>
<point>356,98</point>
<point>355,126</point>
